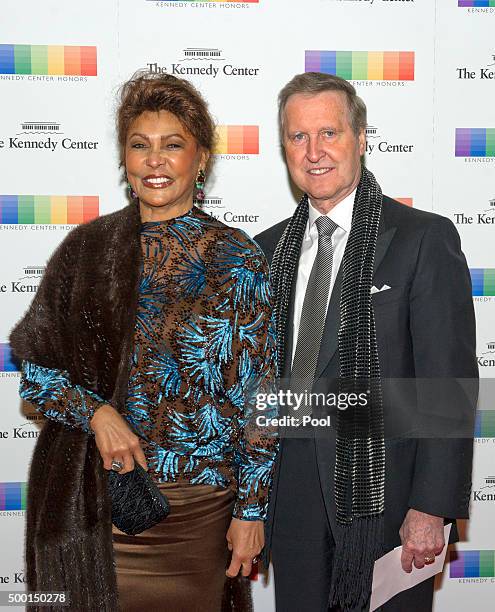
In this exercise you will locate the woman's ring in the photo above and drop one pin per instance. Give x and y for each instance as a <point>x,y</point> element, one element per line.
<point>117,465</point>
<point>429,559</point>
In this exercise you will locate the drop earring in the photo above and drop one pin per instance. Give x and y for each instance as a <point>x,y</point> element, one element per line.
<point>200,184</point>
<point>130,190</point>
<point>132,193</point>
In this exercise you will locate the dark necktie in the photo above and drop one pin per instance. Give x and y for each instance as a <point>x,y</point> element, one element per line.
<point>313,313</point>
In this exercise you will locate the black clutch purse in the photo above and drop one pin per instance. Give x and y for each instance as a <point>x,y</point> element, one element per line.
<point>137,503</point>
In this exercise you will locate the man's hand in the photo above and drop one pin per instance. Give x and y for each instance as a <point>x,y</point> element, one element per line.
<point>246,540</point>
<point>422,539</point>
<point>115,440</point>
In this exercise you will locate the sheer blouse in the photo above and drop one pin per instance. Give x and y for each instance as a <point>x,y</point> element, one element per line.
<point>204,348</point>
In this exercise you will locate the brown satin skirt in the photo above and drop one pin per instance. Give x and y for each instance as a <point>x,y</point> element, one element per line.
<point>178,565</point>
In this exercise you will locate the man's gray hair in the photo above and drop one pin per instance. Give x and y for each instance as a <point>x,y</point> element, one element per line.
<point>313,83</point>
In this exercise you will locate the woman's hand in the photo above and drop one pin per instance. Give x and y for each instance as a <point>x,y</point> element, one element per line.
<point>115,440</point>
<point>246,540</point>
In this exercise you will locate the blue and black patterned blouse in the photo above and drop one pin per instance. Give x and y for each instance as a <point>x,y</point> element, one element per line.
<point>204,347</point>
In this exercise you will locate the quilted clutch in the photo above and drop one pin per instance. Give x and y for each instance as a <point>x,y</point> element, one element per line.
<point>137,503</point>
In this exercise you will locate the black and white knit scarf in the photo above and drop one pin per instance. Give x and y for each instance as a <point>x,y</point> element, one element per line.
<point>360,450</point>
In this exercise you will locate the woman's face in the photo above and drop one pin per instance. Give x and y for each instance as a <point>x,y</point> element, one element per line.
<point>162,161</point>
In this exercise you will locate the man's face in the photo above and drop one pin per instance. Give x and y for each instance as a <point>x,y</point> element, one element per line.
<point>323,153</point>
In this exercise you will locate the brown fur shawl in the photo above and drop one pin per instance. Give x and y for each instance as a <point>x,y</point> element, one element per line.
<point>82,321</point>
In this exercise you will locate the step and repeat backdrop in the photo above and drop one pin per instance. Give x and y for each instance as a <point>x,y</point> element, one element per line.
<point>426,70</point>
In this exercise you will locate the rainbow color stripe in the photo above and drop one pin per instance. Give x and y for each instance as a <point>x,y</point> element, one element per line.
<point>363,65</point>
<point>48,59</point>
<point>485,424</point>
<point>406,201</point>
<point>54,210</point>
<point>472,564</point>
<point>483,281</point>
<point>237,139</point>
<point>475,142</point>
<point>6,362</point>
<point>476,3</point>
<point>12,496</point>
<point>224,1</point>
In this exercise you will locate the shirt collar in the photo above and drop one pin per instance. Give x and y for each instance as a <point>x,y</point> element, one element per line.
<point>341,214</point>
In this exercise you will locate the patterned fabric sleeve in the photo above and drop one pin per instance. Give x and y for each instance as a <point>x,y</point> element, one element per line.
<point>252,376</point>
<point>52,393</point>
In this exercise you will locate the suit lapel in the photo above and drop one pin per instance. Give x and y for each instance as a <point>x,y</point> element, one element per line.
<point>382,244</point>
<point>329,340</point>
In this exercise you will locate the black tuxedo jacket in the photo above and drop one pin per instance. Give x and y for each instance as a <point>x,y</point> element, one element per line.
<point>425,329</point>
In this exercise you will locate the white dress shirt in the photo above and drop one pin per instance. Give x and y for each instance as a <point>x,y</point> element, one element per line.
<point>341,214</point>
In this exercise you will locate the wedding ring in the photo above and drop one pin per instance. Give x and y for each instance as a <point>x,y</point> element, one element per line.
<point>429,559</point>
<point>117,465</point>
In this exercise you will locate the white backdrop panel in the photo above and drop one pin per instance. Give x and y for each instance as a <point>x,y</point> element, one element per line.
<point>250,50</point>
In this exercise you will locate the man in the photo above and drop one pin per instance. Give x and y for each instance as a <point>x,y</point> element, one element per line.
<point>371,291</point>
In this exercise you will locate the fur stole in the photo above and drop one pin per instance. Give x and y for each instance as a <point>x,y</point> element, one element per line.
<point>82,321</point>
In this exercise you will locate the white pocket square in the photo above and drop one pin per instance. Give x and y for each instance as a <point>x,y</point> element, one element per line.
<point>376,290</point>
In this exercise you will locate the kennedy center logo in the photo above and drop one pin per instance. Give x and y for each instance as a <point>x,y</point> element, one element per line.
<point>370,3</point>
<point>406,201</point>
<point>47,62</point>
<point>484,73</point>
<point>476,3</point>
<point>211,204</point>
<point>27,282</point>
<point>487,357</point>
<point>472,564</point>
<point>483,281</point>
<point>485,424</point>
<point>237,141</point>
<point>12,496</point>
<point>216,207</point>
<point>204,61</point>
<point>485,217</point>
<point>45,136</point>
<point>202,1</point>
<point>377,67</point>
<point>486,492</point>
<point>6,362</point>
<point>201,4</point>
<point>47,210</point>
<point>475,143</point>
<point>376,144</point>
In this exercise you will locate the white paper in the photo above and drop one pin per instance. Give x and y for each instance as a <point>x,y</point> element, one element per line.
<point>389,578</point>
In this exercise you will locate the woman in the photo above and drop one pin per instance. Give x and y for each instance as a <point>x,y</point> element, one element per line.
<point>148,339</point>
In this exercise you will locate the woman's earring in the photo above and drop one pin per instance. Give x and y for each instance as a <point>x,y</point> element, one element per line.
<point>200,184</point>
<point>131,191</point>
